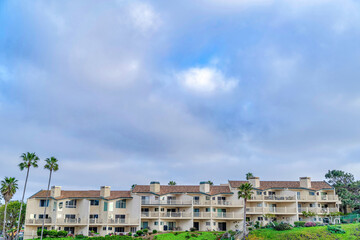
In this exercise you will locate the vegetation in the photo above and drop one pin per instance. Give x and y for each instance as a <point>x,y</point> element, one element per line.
<point>189,235</point>
<point>8,189</point>
<point>12,213</point>
<point>346,187</point>
<point>172,183</point>
<point>28,160</point>
<point>52,166</point>
<point>347,232</point>
<point>249,175</point>
<point>245,192</point>
<point>210,182</point>
<point>283,227</point>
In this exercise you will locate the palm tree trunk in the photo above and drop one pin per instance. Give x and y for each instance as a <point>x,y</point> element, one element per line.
<point>46,205</point>
<point>244,218</point>
<point>22,200</point>
<point>4,227</point>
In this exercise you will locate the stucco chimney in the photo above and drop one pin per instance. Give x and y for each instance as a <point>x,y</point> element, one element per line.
<point>105,191</point>
<point>305,182</point>
<point>205,187</point>
<point>255,182</point>
<point>154,186</point>
<point>55,191</point>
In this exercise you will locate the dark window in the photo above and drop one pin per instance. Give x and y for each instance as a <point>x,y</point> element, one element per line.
<point>41,216</point>
<point>94,216</point>
<point>69,229</point>
<point>119,229</point>
<point>43,203</point>
<point>121,203</point>
<point>70,204</point>
<point>94,202</point>
<point>110,228</point>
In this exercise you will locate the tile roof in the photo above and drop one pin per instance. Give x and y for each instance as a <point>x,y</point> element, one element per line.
<point>83,194</point>
<point>315,185</point>
<point>166,189</point>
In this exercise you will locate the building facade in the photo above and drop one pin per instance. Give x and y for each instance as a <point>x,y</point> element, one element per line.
<point>179,207</point>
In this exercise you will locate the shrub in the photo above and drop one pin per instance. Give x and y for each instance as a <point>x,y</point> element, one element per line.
<point>45,233</point>
<point>136,235</point>
<point>335,229</point>
<point>62,233</point>
<point>310,224</point>
<point>283,227</point>
<point>146,230</point>
<point>192,229</point>
<point>299,224</point>
<point>139,232</point>
<point>154,231</point>
<point>129,234</point>
<point>79,236</point>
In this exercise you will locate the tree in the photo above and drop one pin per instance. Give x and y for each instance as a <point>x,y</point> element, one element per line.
<point>28,160</point>
<point>12,213</point>
<point>308,214</point>
<point>8,189</point>
<point>346,188</point>
<point>52,166</point>
<point>133,186</point>
<point>210,182</point>
<point>269,216</point>
<point>172,183</point>
<point>245,192</point>
<point>249,175</point>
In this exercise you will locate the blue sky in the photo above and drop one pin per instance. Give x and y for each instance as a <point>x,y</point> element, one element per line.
<point>125,92</point>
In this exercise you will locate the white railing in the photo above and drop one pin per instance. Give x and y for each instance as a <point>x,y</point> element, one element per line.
<point>254,209</point>
<point>150,214</point>
<point>230,215</point>
<point>306,197</point>
<point>226,203</point>
<point>201,214</point>
<point>256,197</point>
<point>38,221</point>
<point>281,210</point>
<point>199,202</point>
<point>120,221</point>
<point>166,202</point>
<point>329,198</point>
<point>176,215</point>
<point>95,220</point>
<point>308,209</point>
<point>71,220</point>
<point>280,197</point>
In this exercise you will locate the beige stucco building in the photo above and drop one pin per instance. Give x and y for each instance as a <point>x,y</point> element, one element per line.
<point>178,208</point>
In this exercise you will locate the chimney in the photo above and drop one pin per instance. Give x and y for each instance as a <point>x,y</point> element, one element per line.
<point>154,187</point>
<point>255,182</point>
<point>55,191</point>
<point>205,187</point>
<point>305,182</point>
<point>105,191</point>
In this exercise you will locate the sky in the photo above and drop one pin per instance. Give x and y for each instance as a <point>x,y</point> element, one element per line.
<point>127,92</point>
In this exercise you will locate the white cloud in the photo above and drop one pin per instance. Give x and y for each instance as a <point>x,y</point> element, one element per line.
<point>206,80</point>
<point>144,17</point>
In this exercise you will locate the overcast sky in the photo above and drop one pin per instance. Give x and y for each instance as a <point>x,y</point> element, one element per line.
<point>125,92</point>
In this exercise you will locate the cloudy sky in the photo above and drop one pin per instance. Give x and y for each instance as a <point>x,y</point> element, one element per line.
<point>125,92</point>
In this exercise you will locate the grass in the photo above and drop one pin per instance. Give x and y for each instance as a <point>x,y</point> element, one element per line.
<point>189,235</point>
<point>320,233</point>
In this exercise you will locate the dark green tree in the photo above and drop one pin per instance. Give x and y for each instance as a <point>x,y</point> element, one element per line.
<point>249,175</point>
<point>12,213</point>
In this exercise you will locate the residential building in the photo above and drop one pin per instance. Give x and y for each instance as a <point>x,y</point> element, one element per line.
<point>177,208</point>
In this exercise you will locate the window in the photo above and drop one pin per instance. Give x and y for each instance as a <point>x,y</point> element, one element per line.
<point>69,229</point>
<point>54,207</point>
<point>119,229</point>
<point>156,223</point>
<point>145,200</point>
<point>133,229</point>
<point>110,228</point>
<point>94,202</point>
<point>104,228</point>
<point>61,204</point>
<point>312,193</point>
<point>207,223</point>
<point>94,229</point>
<point>105,206</point>
<point>259,205</point>
<point>70,216</point>
<point>70,204</point>
<point>260,218</point>
<point>207,209</point>
<point>156,209</point>
<point>161,223</point>
<point>207,197</point>
<point>41,216</point>
<point>259,192</point>
<point>94,216</point>
<point>43,203</point>
<point>121,203</point>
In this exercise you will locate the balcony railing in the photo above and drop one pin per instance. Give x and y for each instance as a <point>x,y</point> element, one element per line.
<point>256,197</point>
<point>122,221</point>
<point>38,221</point>
<point>229,215</point>
<point>306,197</point>
<point>201,214</point>
<point>95,220</point>
<point>175,215</point>
<point>71,221</point>
<point>166,202</point>
<point>308,209</point>
<point>150,214</point>
<point>199,202</point>
<point>227,203</point>
<point>329,198</point>
<point>280,210</point>
<point>254,209</point>
<point>280,198</point>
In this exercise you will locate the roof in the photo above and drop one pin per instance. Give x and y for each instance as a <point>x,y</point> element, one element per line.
<point>83,194</point>
<point>315,185</point>
<point>168,189</point>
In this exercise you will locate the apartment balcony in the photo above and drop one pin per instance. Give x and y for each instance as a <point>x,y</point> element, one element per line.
<point>176,215</point>
<point>328,198</point>
<point>317,210</point>
<point>308,209</point>
<point>168,202</point>
<point>227,215</point>
<point>96,221</point>
<point>150,214</point>
<point>256,198</point>
<point>202,215</point>
<point>38,221</point>
<point>72,221</point>
<point>306,198</point>
<point>225,203</point>
<point>123,221</point>
<point>280,210</point>
<point>202,203</point>
<point>280,198</point>
<point>254,210</point>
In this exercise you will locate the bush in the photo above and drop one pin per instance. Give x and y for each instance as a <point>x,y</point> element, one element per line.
<point>45,233</point>
<point>139,232</point>
<point>335,229</point>
<point>62,233</point>
<point>154,231</point>
<point>136,235</point>
<point>299,224</point>
<point>129,234</point>
<point>192,229</point>
<point>79,236</point>
<point>283,227</point>
<point>310,224</point>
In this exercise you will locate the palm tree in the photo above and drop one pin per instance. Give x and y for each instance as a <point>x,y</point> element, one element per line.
<point>51,165</point>
<point>249,175</point>
<point>28,160</point>
<point>172,183</point>
<point>245,192</point>
<point>8,189</point>
<point>210,182</point>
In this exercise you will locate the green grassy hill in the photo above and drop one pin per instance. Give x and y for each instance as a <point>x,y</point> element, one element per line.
<point>321,233</point>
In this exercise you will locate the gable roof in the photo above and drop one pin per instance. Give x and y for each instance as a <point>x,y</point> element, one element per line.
<point>167,189</point>
<point>83,194</point>
<point>315,185</point>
